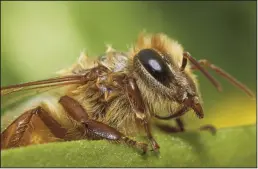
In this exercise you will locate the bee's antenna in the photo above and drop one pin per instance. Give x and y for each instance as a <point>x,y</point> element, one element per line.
<point>227,76</point>
<point>198,66</point>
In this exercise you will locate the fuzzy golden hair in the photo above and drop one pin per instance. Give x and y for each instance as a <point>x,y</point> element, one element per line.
<point>157,101</point>
<point>164,45</point>
<point>119,113</point>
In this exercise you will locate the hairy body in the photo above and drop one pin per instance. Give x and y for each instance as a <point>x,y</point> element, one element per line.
<point>115,96</point>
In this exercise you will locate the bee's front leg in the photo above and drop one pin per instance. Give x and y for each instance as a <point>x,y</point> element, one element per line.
<point>137,104</point>
<point>180,127</point>
<point>155,145</point>
<point>208,127</point>
<point>93,129</point>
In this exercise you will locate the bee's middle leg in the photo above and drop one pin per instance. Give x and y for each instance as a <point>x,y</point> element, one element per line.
<point>96,130</point>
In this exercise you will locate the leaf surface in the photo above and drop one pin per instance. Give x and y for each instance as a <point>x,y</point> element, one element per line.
<point>230,147</point>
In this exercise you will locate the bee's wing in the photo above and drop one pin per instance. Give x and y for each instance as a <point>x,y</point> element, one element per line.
<point>13,96</point>
<point>13,99</point>
<point>48,83</point>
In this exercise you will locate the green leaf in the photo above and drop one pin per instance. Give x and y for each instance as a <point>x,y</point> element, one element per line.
<point>230,147</point>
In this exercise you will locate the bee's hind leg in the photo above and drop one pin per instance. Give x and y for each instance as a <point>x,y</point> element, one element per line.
<point>94,130</point>
<point>34,126</point>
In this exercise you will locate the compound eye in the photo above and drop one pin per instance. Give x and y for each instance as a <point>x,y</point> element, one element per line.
<point>153,62</point>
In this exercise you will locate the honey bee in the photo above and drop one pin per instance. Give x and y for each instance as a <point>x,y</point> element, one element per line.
<point>115,96</point>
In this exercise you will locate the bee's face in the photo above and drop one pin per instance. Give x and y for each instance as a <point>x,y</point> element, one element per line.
<point>159,72</point>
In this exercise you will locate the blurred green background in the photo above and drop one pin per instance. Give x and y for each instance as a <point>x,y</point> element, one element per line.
<point>40,38</point>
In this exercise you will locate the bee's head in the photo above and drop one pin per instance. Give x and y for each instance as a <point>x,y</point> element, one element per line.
<point>161,73</point>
